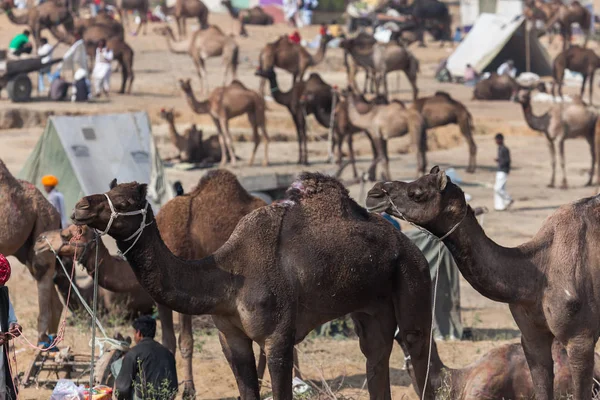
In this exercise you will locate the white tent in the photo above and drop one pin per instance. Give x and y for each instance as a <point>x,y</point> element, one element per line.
<point>495,39</point>
<point>86,152</point>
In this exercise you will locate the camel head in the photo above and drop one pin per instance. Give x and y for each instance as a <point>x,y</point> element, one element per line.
<point>168,115</point>
<point>186,85</point>
<point>428,201</point>
<point>523,96</point>
<point>95,210</point>
<point>63,242</point>
<point>266,73</point>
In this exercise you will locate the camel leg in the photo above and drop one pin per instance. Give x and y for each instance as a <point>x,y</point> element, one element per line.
<point>255,137</point>
<point>240,356</point>
<point>265,135</point>
<point>378,151</point>
<point>199,64</point>
<point>376,338</point>
<point>561,153</point>
<point>228,140</point>
<point>260,369</point>
<point>413,84</point>
<point>45,287</point>
<point>168,332</point>
<point>221,142</point>
<point>280,361</point>
<point>421,153</point>
<point>350,154</point>
<point>591,140</point>
<point>552,162</point>
<point>591,89</point>
<point>186,348</point>
<point>583,86</point>
<point>464,123</point>
<point>385,85</point>
<point>299,135</point>
<point>581,360</point>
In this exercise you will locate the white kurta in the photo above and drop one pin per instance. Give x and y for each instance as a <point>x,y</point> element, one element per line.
<point>58,201</point>
<point>501,197</point>
<point>102,69</point>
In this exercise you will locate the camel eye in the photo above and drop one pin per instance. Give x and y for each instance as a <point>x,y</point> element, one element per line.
<point>416,195</point>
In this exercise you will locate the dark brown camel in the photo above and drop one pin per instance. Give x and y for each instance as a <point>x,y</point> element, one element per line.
<point>502,373</point>
<point>252,16</point>
<point>114,274</point>
<point>441,109</point>
<point>496,87</point>
<point>550,282</point>
<point>562,122</point>
<point>578,59</point>
<point>270,281</point>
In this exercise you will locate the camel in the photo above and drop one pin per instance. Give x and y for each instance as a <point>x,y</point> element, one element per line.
<point>358,53</point>
<point>49,15</point>
<point>291,57</point>
<point>190,145</point>
<point>394,57</point>
<point>502,373</point>
<point>388,121</point>
<point>207,43</point>
<point>294,263</point>
<point>496,87</point>
<point>430,11</point>
<point>565,16</point>
<point>549,282</point>
<point>441,109</point>
<point>252,16</point>
<point>25,214</point>
<point>562,122</point>
<point>578,59</point>
<point>141,6</point>
<point>122,289</point>
<point>229,102</point>
<point>185,9</point>
<point>115,28</point>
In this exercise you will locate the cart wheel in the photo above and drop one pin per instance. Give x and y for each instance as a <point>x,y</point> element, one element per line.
<point>19,89</point>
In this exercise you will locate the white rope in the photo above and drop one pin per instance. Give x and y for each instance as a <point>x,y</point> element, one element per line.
<point>437,274</point>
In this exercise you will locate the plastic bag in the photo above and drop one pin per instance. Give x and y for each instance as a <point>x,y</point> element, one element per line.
<point>67,390</point>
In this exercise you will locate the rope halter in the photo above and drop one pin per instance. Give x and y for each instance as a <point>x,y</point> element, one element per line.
<point>113,216</point>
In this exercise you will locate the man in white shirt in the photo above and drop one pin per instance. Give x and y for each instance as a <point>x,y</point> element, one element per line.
<point>55,198</point>
<point>45,51</point>
<point>507,68</point>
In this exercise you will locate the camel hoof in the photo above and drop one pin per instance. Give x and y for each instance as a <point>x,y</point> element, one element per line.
<point>550,185</point>
<point>188,391</point>
<point>470,170</point>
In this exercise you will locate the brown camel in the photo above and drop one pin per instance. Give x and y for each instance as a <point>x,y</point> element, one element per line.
<point>567,15</point>
<point>207,43</point>
<point>502,373</point>
<point>441,109</point>
<point>562,122</point>
<point>49,15</point>
<point>252,16</point>
<point>190,145</point>
<point>104,20</point>
<point>548,282</point>
<point>291,57</point>
<point>114,274</point>
<point>268,283</point>
<point>141,6</point>
<point>385,122</point>
<point>229,102</point>
<point>394,57</point>
<point>540,13</point>
<point>185,9</point>
<point>24,215</point>
<point>496,87</point>
<point>578,59</point>
<point>358,53</point>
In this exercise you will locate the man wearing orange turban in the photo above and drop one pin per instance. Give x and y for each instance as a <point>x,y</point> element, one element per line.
<point>55,197</point>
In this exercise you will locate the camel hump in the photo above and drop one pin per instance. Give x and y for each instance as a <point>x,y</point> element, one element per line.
<point>221,180</point>
<point>441,93</point>
<point>237,83</point>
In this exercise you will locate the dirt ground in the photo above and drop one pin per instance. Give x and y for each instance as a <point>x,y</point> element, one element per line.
<point>338,362</point>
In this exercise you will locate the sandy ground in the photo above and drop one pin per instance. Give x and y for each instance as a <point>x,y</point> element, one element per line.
<point>338,362</point>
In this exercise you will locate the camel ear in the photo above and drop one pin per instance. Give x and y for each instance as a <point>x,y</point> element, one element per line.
<point>142,191</point>
<point>442,180</point>
<point>435,170</point>
<point>113,183</point>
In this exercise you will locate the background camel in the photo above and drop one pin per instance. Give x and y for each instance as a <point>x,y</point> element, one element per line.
<point>115,28</point>
<point>388,121</point>
<point>428,12</point>
<point>577,59</point>
<point>185,9</point>
<point>566,16</point>
<point>207,43</point>
<point>291,57</point>
<point>502,373</point>
<point>496,87</point>
<point>24,215</point>
<point>550,282</point>
<point>122,291</point>
<point>49,15</point>
<point>562,122</point>
<point>441,109</point>
<point>358,53</point>
<point>229,102</point>
<point>252,16</point>
<point>190,145</point>
<point>281,267</point>
<point>141,6</point>
<point>393,57</point>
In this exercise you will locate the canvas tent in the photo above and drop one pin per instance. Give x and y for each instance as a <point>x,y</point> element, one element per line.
<point>86,152</point>
<point>495,39</point>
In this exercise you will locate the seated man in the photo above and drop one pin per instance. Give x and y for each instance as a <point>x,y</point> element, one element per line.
<point>20,44</point>
<point>148,369</point>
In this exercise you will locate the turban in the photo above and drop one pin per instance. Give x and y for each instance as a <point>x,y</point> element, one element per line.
<point>49,180</point>
<point>4,270</point>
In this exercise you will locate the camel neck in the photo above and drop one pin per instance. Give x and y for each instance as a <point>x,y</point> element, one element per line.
<point>176,47</point>
<point>189,287</point>
<point>494,271</point>
<point>114,273</point>
<point>362,121</point>
<point>320,54</point>
<point>22,19</point>
<point>173,134</point>
<point>279,96</point>
<point>199,107</point>
<point>537,123</point>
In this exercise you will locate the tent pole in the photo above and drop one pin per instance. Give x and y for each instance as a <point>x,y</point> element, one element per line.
<point>527,46</point>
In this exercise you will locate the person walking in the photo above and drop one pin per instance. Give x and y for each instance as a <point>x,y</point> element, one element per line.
<point>502,200</point>
<point>148,370</point>
<point>9,329</point>
<point>45,52</point>
<point>102,68</point>
<point>55,197</point>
